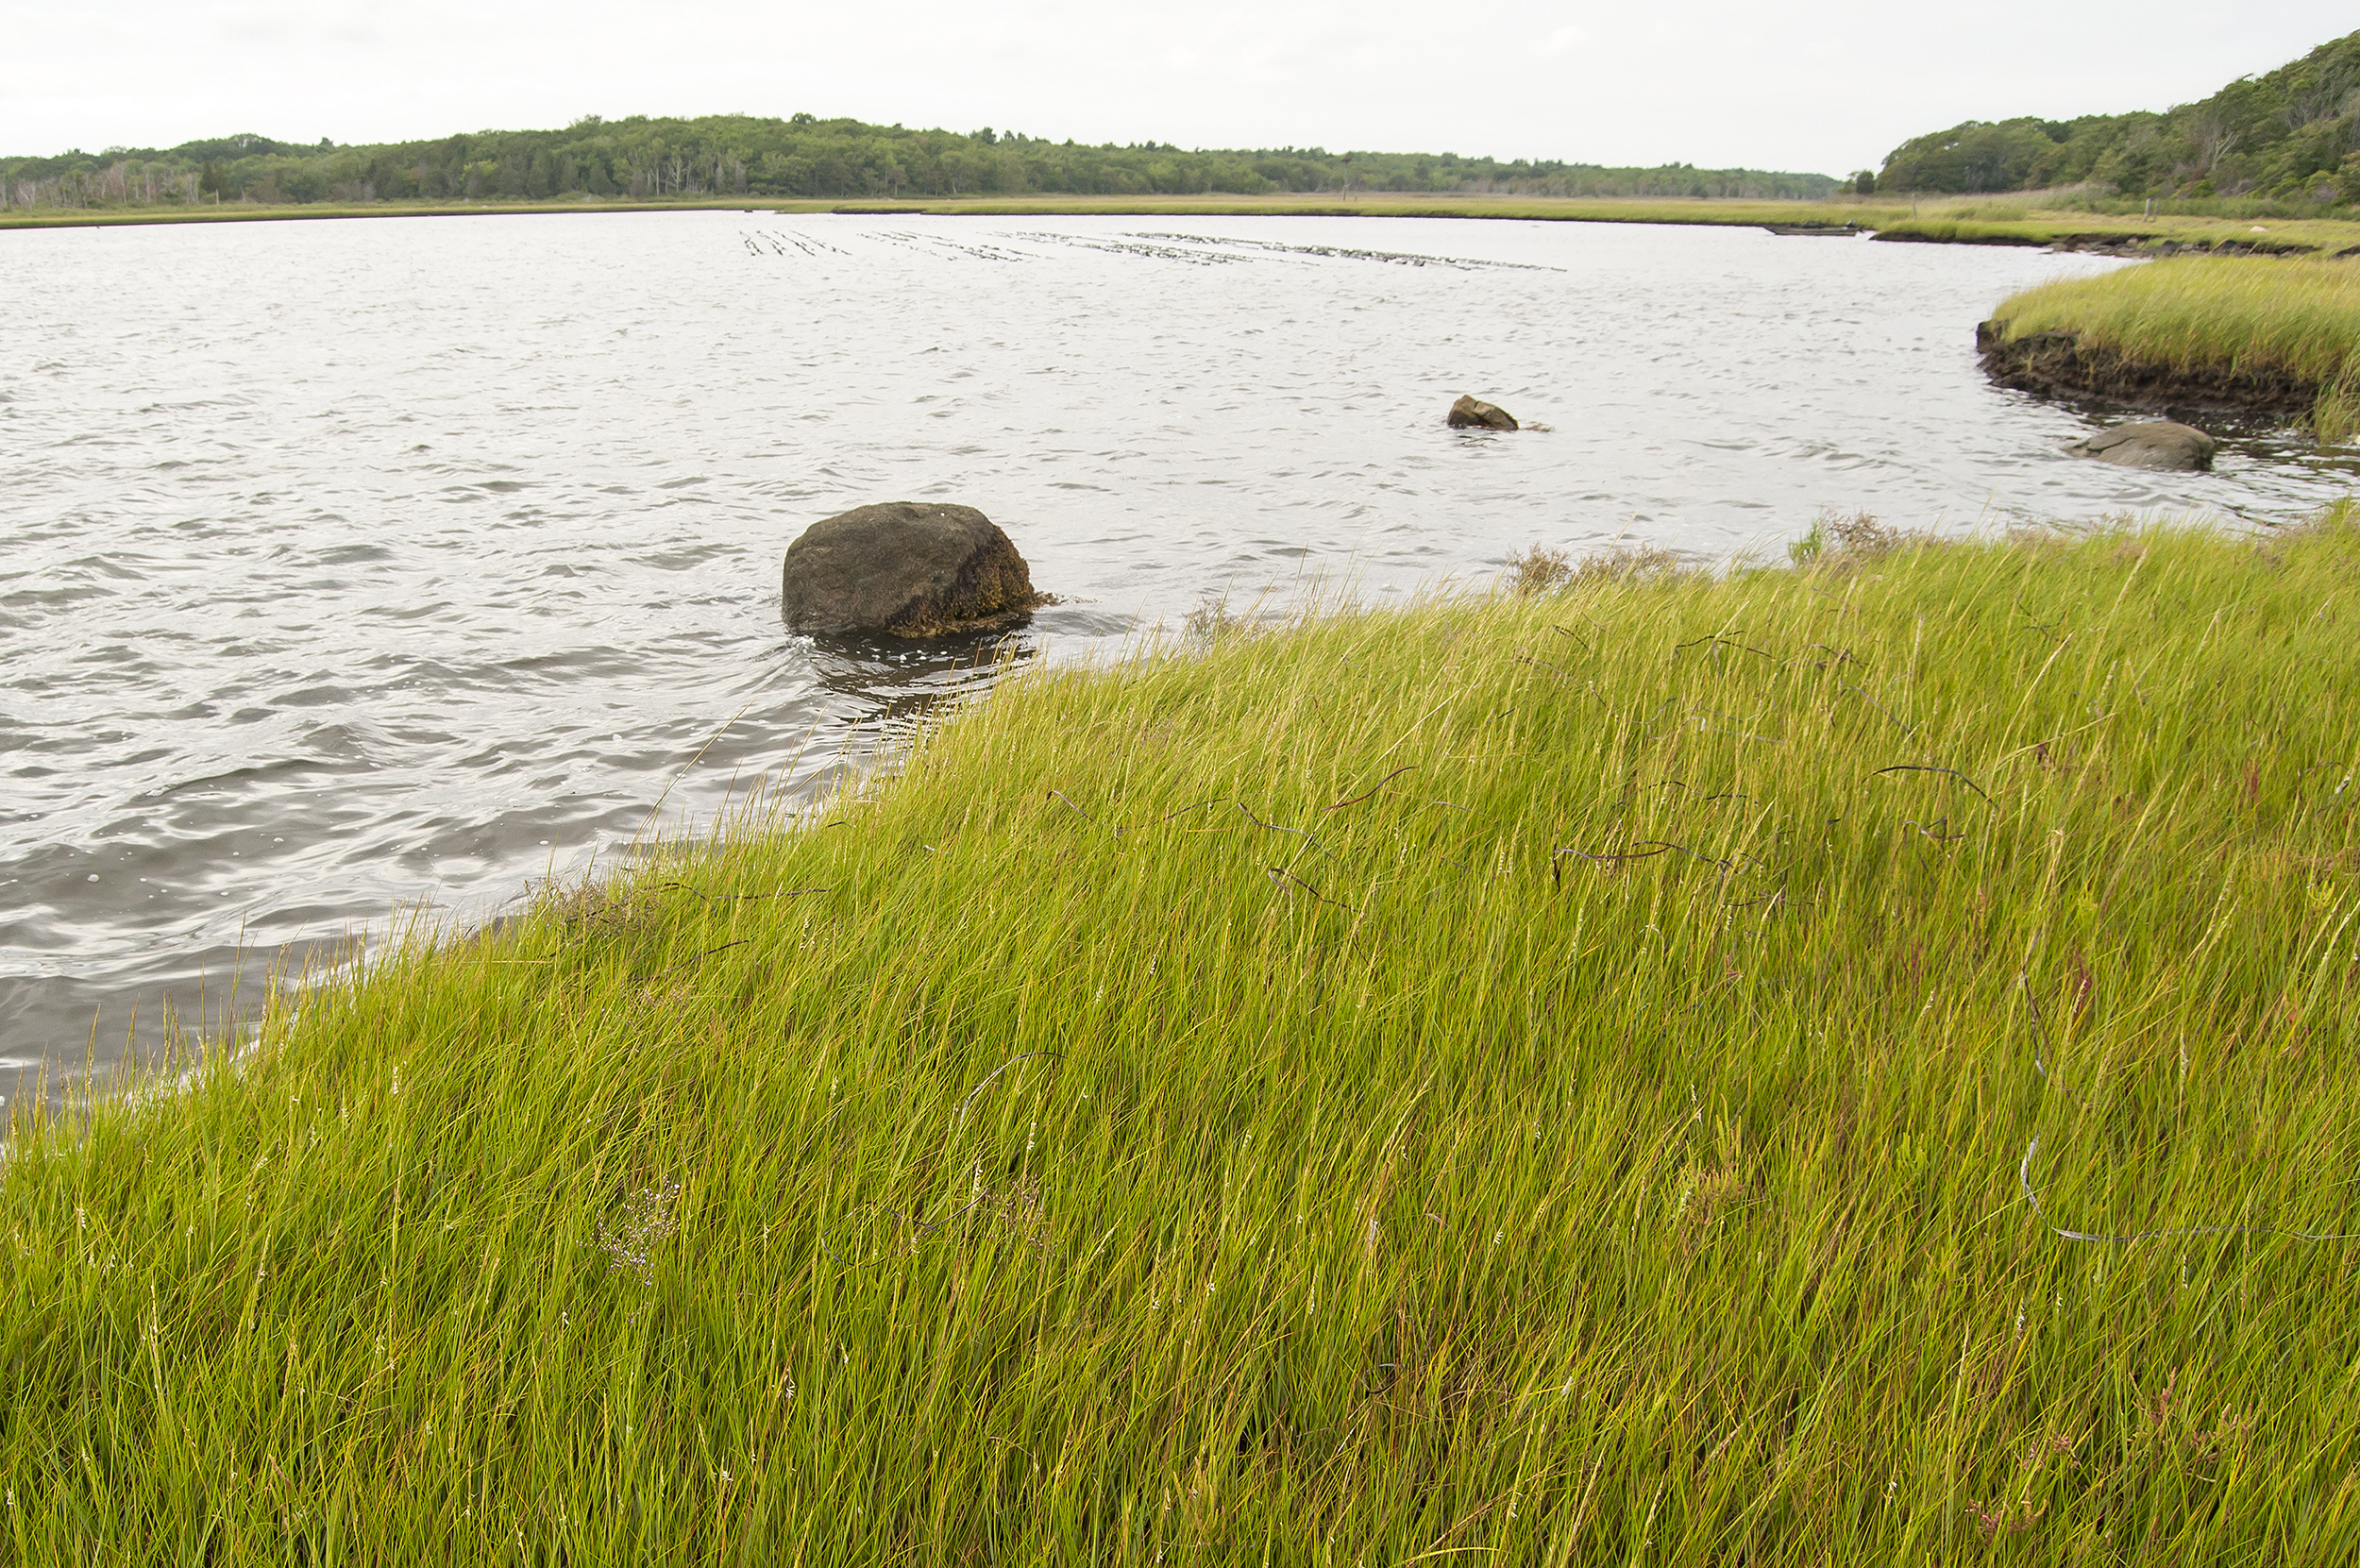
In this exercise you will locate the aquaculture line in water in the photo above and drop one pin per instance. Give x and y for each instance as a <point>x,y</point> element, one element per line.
<point>1628,1069</point>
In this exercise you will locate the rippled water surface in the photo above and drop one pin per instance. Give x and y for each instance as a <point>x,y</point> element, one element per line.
<point>350,565</point>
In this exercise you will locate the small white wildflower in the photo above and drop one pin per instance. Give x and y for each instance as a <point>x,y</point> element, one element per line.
<point>647,1221</point>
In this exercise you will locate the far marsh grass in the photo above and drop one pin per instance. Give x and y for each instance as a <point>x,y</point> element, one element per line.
<point>2037,218</point>
<point>1552,1078</point>
<point>1983,220</point>
<point>1663,210</point>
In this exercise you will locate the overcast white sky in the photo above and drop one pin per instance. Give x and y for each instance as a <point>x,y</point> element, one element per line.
<point>1760,83</point>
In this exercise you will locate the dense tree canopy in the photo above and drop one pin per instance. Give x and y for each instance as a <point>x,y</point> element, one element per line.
<point>642,159</point>
<point>2291,132</point>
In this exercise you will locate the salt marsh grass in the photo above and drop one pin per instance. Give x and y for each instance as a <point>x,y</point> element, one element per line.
<point>2300,317</point>
<point>1548,1078</point>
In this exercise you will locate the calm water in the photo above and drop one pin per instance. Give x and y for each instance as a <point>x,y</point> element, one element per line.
<point>351,564</point>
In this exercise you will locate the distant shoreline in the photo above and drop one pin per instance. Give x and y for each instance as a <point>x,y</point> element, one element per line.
<point>1948,222</point>
<point>1742,212</point>
<point>1952,223</point>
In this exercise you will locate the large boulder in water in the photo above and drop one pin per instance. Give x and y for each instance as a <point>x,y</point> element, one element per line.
<point>904,569</point>
<point>1473,413</point>
<point>2155,444</point>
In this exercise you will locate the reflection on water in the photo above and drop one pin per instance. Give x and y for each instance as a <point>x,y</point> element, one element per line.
<point>892,682</point>
<point>355,564</point>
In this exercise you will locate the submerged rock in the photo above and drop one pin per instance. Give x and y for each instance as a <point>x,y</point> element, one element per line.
<point>2156,444</point>
<point>904,569</point>
<point>1473,413</point>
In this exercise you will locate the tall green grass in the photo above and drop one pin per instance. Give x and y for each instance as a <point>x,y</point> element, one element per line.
<point>2299,316</point>
<point>2071,224</point>
<point>1547,1079</point>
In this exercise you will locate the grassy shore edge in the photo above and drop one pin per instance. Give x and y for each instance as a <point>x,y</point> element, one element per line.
<point>1534,1075</point>
<point>2273,335</point>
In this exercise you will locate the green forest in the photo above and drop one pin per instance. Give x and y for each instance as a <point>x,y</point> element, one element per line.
<point>2292,133</point>
<point>721,157</point>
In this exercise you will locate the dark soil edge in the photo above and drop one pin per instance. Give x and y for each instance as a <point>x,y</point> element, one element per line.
<point>2060,364</point>
<point>2114,243</point>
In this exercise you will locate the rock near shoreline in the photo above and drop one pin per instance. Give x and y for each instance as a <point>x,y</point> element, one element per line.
<point>2156,444</point>
<point>2060,364</point>
<point>904,569</point>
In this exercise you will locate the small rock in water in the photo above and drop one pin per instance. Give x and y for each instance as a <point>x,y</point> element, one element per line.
<point>2156,444</point>
<point>1472,413</point>
<point>904,569</point>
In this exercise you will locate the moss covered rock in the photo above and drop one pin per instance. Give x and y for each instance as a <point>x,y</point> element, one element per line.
<point>904,569</point>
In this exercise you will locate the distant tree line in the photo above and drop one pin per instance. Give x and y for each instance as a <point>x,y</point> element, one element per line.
<point>2291,134</point>
<point>727,156</point>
